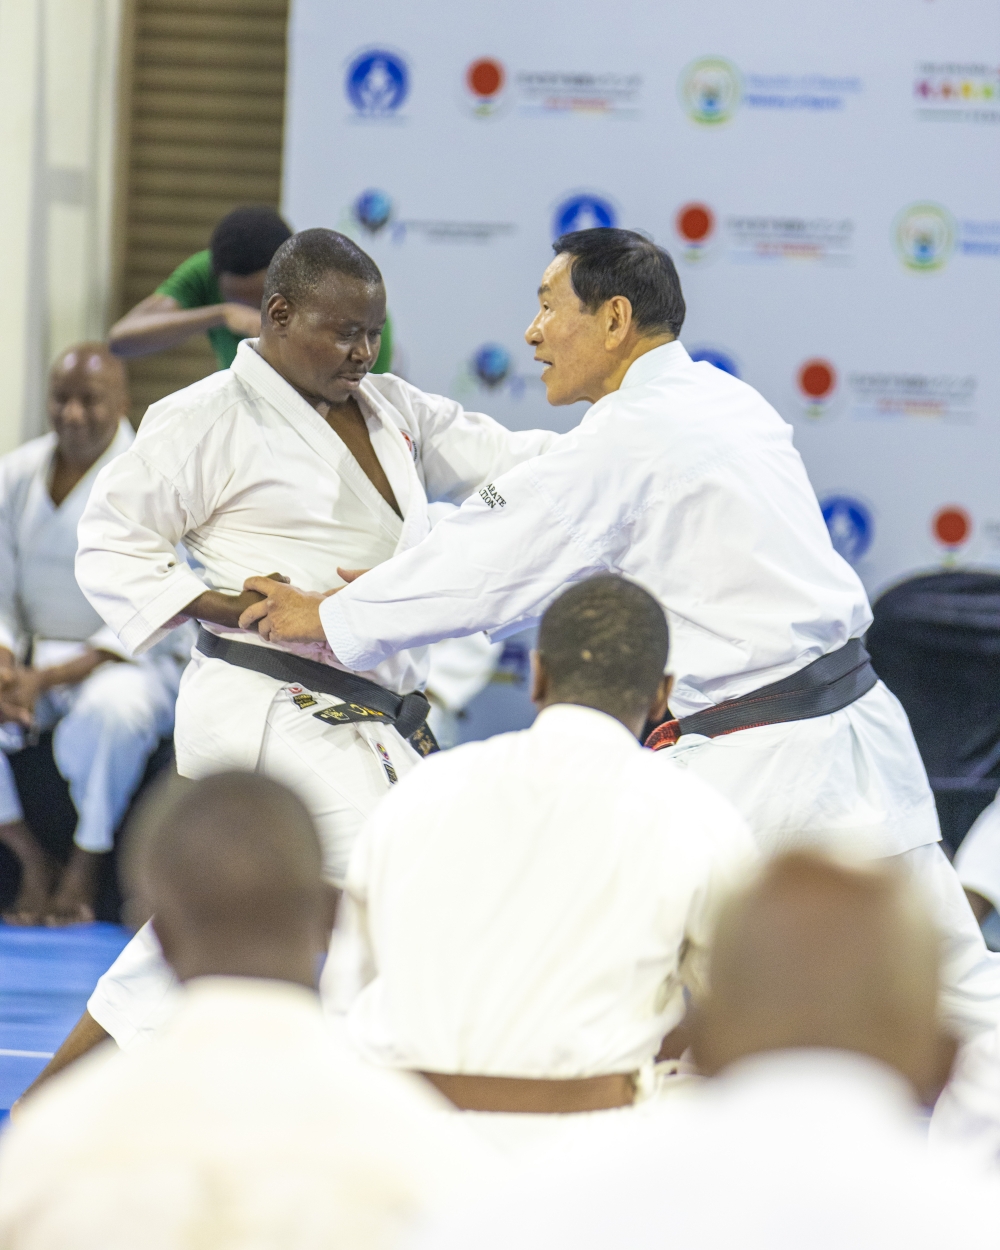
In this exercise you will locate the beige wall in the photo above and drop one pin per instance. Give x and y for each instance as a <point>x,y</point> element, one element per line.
<point>58,95</point>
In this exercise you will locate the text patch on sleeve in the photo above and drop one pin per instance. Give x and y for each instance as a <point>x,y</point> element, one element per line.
<point>491,497</point>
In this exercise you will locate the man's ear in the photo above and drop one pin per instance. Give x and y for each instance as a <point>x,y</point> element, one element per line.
<point>658,708</point>
<point>618,314</point>
<point>539,680</point>
<point>277,313</point>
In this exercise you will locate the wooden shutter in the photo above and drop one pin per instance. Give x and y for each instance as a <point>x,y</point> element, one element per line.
<point>202,119</point>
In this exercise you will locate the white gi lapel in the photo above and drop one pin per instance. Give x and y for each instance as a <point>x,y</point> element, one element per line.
<point>397,452</point>
<point>258,376</point>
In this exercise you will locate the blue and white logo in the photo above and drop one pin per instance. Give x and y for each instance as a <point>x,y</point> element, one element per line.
<point>491,364</point>
<point>372,209</point>
<point>584,212</point>
<point>850,524</point>
<point>715,356</point>
<point>377,82</point>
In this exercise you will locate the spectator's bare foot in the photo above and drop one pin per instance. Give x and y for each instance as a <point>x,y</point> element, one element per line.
<point>73,901</point>
<point>36,875</point>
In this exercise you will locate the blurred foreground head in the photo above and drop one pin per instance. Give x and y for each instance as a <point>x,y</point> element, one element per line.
<point>230,867</point>
<point>816,954</point>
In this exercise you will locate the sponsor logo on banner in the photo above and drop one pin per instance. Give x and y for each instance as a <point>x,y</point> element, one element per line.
<point>718,357</point>
<point>758,239</point>
<point>927,235</point>
<point>377,84</point>
<point>695,226</point>
<point>771,240</point>
<point>490,368</point>
<point>713,89</point>
<point>957,92</point>
<point>817,383</point>
<point>485,85</point>
<point>488,87</point>
<point>850,524</point>
<point>940,397</point>
<point>952,529</point>
<point>583,211</point>
<point>373,211</point>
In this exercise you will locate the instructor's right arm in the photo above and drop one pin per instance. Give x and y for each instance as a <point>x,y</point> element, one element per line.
<point>494,565</point>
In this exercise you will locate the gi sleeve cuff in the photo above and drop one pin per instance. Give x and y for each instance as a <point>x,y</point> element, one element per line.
<point>162,614</point>
<point>344,643</point>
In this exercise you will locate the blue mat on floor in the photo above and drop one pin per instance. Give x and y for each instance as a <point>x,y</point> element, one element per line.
<point>46,977</point>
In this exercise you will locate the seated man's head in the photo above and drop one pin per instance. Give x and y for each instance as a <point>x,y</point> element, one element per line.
<point>603,644</point>
<point>324,310</point>
<point>88,396</point>
<point>818,955</point>
<point>231,869</point>
<point>243,244</point>
<point>608,297</point>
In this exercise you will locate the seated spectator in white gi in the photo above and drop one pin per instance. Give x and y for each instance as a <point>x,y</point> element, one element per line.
<point>57,657</point>
<point>242,1123</point>
<point>527,911</point>
<point>821,1033</point>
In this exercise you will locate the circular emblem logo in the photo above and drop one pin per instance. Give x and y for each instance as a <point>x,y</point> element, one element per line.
<point>711,90</point>
<point>850,525</point>
<point>695,226</point>
<point>714,356</point>
<point>485,80</point>
<point>377,82</point>
<point>952,526</point>
<point>373,210</point>
<point>491,364</point>
<point>817,383</point>
<point>584,212</point>
<point>925,236</point>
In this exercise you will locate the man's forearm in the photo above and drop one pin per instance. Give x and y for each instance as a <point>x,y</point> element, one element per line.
<point>84,1036</point>
<point>73,671</point>
<point>221,609</point>
<point>148,332</point>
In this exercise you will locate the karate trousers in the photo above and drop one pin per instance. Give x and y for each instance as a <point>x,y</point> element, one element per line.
<point>104,731</point>
<point>340,771</point>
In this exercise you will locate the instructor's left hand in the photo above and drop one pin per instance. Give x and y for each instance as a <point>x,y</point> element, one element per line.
<point>285,614</point>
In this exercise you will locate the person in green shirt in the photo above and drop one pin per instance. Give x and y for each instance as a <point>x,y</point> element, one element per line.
<point>217,292</point>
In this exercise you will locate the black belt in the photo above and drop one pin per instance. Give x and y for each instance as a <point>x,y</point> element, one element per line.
<point>363,699</point>
<point>826,685</point>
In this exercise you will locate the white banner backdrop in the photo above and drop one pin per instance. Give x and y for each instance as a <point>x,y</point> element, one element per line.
<point>826,175</point>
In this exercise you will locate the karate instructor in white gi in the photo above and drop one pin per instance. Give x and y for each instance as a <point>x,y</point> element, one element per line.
<point>294,455</point>
<point>685,480</point>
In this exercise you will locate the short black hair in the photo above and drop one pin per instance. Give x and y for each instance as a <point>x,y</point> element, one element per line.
<point>610,262</point>
<point>245,240</point>
<point>604,644</point>
<point>299,265</point>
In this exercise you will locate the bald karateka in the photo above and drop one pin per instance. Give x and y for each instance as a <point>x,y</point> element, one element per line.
<point>294,455</point>
<point>57,668</point>
<point>529,911</point>
<point>683,478</point>
<point>821,1035</point>
<point>244,1123</point>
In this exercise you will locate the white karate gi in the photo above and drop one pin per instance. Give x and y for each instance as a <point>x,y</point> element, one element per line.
<point>253,480</point>
<point>535,905</point>
<point>107,726</point>
<point>687,481</point>
<point>243,1125</point>
<point>793,1150</point>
